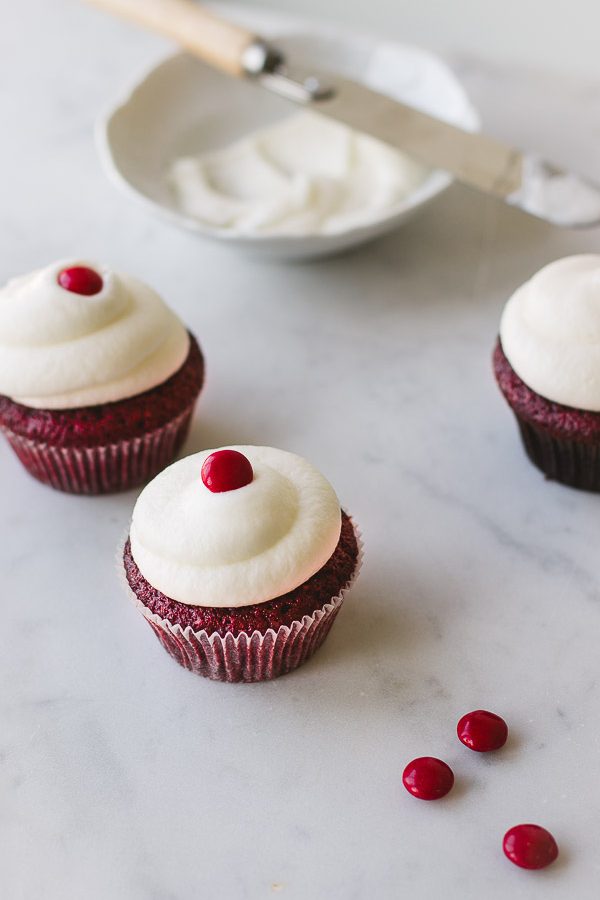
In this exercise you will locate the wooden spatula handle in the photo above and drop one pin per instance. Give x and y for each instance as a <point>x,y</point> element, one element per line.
<point>217,42</point>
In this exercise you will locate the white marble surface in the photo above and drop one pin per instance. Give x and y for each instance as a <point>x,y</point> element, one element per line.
<point>122,776</point>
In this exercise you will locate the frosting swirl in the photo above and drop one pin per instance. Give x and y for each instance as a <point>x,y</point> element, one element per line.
<point>550,332</point>
<point>61,350</point>
<point>238,547</point>
<point>274,181</point>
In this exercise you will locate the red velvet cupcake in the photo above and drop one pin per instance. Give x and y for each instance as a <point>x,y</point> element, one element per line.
<point>98,378</point>
<point>547,365</point>
<point>239,559</point>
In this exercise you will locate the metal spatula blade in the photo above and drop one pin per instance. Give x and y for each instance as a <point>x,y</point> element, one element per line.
<point>521,179</point>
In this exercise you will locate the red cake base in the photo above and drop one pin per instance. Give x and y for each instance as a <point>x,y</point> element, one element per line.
<point>561,441</point>
<point>250,643</point>
<point>109,447</point>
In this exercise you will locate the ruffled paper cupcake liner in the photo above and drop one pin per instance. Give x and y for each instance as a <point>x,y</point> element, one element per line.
<point>571,462</point>
<point>260,656</point>
<point>103,469</point>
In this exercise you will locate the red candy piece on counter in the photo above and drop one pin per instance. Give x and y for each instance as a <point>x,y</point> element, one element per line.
<point>81,280</point>
<point>226,470</point>
<point>482,731</point>
<point>530,846</point>
<point>428,778</point>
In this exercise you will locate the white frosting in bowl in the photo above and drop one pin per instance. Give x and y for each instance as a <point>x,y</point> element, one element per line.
<point>550,332</point>
<point>62,350</point>
<point>304,175</point>
<point>238,547</point>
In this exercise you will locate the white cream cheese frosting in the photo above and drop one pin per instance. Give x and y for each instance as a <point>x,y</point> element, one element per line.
<point>304,175</point>
<point>550,332</point>
<point>238,547</point>
<point>62,350</point>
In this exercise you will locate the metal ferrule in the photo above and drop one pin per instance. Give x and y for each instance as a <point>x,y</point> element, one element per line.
<point>267,64</point>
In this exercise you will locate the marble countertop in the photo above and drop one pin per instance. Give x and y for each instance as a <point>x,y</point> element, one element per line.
<point>122,776</point>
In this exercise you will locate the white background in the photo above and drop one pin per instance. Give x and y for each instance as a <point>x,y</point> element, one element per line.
<point>562,34</point>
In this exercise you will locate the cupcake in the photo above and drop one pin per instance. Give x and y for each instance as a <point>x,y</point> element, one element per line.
<point>98,377</point>
<point>239,559</point>
<point>547,364</point>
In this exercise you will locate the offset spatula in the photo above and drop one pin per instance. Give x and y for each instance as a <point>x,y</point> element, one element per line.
<point>521,179</point>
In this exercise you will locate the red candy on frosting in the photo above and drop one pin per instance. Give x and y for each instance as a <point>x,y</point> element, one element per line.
<point>81,280</point>
<point>482,731</point>
<point>226,470</point>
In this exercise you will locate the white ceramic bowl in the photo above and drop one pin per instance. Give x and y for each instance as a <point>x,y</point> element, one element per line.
<point>182,107</point>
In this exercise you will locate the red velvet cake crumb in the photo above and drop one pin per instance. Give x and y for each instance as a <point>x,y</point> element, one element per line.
<point>564,422</point>
<point>563,442</point>
<point>302,601</point>
<point>109,423</point>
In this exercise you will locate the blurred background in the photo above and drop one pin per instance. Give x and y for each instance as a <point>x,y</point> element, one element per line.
<point>530,67</point>
<point>560,34</point>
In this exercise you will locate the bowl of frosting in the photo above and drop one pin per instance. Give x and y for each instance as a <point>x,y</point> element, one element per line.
<point>227,160</point>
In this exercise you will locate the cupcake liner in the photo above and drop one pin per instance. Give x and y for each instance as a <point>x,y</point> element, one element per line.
<point>562,441</point>
<point>103,469</point>
<point>260,656</point>
<point>572,462</point>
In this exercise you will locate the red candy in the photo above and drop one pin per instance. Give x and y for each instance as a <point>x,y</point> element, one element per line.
<point>428,778</point>
<point>482,731</point>
<point>81,280</point>
<point>226,470</point>
<point>530,846</point>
